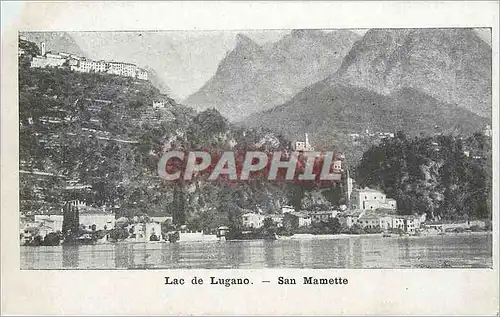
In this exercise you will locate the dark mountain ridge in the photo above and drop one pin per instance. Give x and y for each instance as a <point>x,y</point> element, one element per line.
<point>330,113</point>
<point>252,77</point>
<point>452,65</point>
<point>421,81</point>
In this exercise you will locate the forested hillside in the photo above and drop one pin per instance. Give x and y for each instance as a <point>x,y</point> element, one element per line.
<point>98,138</point>
<point>445,177</point>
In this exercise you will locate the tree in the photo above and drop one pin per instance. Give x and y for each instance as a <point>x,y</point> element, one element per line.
<point>118,234</point>
<point>179,205</point>
<point>430,175</point>
<point>295,194</point>
<point>334,194</point>
<point>334,225</point>
<point>268,223</point>
<point>290,222</point>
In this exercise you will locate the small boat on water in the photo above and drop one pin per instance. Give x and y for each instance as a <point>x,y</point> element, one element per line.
<point>386,235</point>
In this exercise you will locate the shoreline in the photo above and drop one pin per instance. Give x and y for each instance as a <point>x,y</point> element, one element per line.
<point>301,237</point>
<point>374,235</point>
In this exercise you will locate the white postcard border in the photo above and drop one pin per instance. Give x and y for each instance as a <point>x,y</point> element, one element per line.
<point>132,292</point>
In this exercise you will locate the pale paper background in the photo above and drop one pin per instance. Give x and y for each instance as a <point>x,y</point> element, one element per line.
<point>408,291</point>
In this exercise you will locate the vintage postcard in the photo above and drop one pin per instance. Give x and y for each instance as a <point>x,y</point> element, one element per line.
<point>190,159</point>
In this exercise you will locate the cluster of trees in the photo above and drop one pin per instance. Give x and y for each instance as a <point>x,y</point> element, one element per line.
<point>444,176</point>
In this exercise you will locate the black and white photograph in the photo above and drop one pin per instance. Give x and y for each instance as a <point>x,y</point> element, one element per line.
<point>249,158</point>
<point>397,120</point>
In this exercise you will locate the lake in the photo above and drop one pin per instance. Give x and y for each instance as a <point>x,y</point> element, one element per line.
<point>470,250</point>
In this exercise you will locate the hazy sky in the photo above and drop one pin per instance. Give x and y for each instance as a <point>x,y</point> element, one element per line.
<point>184,60</point>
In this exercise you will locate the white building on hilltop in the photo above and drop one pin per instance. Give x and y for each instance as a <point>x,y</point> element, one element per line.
<point>142,74</point>
<point>159,104</point>
<point>47,59</point>
<point>84,65</point>
<point>303,146</point>
<point>371,199</point>
<point>122,69</point>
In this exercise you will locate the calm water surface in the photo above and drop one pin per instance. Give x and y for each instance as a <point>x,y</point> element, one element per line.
<point>468,250</point>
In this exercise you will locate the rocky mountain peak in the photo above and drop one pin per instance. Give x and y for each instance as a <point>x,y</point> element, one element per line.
<point>252,78</point>
<point>452,65</point>
<point>243,41</point>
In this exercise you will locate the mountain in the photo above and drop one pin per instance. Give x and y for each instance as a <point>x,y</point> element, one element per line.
<point>55,41</point>
<point>159,83</point>
<point>329,113</point>
<point>452,65</point>
<point>253,78</point>
<point>421,81</point>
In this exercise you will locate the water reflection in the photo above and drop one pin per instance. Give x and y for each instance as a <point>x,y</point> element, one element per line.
<point>121,252</point>
<point>70,256</point>
<point>351,252</point>
<point>270,251</point>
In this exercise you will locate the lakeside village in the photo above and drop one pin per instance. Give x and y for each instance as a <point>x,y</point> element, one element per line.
<point>368,211</point>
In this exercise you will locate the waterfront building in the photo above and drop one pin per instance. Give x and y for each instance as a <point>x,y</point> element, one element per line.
<point>304,220</point>
<point>253,220</point>
<point>322,215</point>
<point>375,219</point>
<point>153,229</point>
<point>28,233</point>
<point>97,220</point>
<point>32,230</point>
<point>222,231</point>
<point>145,231</point>
<point>371,199</point>
<point>350,217</point>
<point>407,223</point>
<point>369,220</point>
<point>93,218</point>
<point>44,231</point>
<point>277,219</point>
<point>53,221</point>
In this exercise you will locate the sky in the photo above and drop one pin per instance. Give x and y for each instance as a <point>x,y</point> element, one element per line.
<point>184,60</point>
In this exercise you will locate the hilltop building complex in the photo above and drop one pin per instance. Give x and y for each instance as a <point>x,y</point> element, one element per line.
<point>84,65</point>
